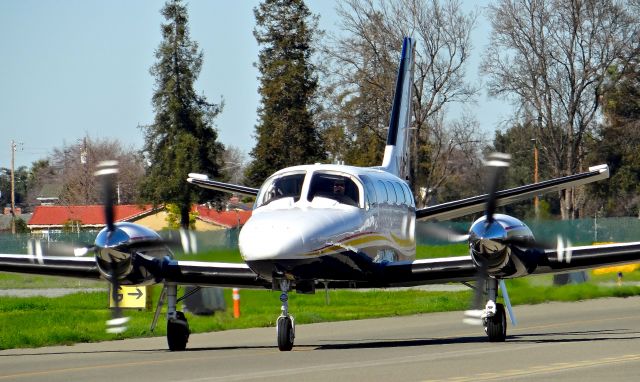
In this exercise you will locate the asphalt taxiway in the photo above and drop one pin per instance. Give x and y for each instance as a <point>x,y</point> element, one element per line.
<point>589,340</point>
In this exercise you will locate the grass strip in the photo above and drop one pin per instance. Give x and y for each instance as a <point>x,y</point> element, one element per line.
<point>41,321</point>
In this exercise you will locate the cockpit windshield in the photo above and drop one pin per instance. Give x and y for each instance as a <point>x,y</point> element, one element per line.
<point>334,186</point>
<point>282,186</point>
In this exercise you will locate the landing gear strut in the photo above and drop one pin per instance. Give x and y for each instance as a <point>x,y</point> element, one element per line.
<point>177,325</point>
<point>494,318</point>
<point>286,328</point>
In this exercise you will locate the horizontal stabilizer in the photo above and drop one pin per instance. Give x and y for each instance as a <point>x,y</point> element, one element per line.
<point>203,181</point>
<point>475,204</point>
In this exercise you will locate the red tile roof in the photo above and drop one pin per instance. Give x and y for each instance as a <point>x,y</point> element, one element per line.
<point>87,215</point>
<point>227,219</point>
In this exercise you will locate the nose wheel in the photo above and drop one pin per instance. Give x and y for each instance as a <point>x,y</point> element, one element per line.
<point>496,326</point>
<point>494,318</point>
<point>285,326</point>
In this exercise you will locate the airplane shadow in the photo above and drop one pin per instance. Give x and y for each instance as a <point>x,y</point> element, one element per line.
<point>557,337</point>
<point>554,337</point>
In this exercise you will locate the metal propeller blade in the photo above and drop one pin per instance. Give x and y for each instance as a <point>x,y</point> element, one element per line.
<point>496,164</point>
<point>108,171</point>
<point>440,232</point>
<point>117,324</point>
<point>473,316</point>
<point>563,249</point>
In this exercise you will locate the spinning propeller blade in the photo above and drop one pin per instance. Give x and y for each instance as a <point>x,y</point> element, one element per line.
<point>496,164</point>
<point>107,171</point>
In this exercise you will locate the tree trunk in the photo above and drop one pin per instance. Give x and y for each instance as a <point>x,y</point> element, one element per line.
<point>184,215</point>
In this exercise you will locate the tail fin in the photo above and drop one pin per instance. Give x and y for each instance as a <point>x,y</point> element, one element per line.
<point>396,153</point>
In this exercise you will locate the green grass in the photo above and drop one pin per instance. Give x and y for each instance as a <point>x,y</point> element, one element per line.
<point>40,321</point>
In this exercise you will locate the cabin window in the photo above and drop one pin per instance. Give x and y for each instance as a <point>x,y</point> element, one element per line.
<point>281,186</point>
<point>340,188</point>
<point>369,190</point>
<point>391,192</point>
<point>381,192</point>
<point>409,194</point>
<point>400,193</point>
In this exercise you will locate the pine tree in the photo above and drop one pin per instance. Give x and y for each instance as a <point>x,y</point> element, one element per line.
<point>286,133</point>
<point>182,138</point>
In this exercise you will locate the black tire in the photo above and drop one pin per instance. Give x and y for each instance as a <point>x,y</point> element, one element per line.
<point>285,334</point>
<point>496,326</point>
<point>178,332</point>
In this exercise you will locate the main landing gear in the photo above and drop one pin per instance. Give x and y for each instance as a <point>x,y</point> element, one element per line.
<point>286,329</point>
<point>177,325</point>
<point>494,318</point>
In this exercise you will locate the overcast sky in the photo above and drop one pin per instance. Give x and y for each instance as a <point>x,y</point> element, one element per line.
<point>69,68</point>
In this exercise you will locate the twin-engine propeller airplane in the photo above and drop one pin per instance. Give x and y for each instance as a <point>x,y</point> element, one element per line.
<point>336,226</point>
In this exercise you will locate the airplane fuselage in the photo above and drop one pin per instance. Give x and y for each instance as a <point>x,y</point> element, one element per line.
<point>330,222</point>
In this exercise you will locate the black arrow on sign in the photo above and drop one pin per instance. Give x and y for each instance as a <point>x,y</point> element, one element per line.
<point>138,293</point>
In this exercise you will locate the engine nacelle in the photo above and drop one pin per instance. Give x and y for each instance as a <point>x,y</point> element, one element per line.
<point>132,253</point>
<point>500,246</point>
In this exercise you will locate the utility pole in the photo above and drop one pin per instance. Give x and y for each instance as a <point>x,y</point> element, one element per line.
<point>13,188</point>
<point>536,204</point>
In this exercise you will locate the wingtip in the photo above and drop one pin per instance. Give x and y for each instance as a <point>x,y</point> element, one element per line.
<point>602,168</point>
<point>197,176</point>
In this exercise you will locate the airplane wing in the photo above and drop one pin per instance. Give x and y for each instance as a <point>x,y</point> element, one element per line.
<point>204,181</point>
<point>587,257</point>
<point>475,204</point>
<point>200,273</point>
<point>393,274</point>
<point>78,267</point>
<point>462,268</point>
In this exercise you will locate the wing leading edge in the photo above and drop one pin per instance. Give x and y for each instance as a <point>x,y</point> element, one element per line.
<point>475,204</point>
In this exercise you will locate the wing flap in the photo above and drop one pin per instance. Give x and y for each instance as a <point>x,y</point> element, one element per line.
<point>476,204</point>
<point>428,271</point>
<point>203,273</point>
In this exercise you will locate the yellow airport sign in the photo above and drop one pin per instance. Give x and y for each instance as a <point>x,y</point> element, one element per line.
<point>615,269</point>
<point>129,297</point>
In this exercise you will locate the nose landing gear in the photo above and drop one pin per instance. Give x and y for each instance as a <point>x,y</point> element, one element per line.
<point>286,330</point>
<point>494,318</point>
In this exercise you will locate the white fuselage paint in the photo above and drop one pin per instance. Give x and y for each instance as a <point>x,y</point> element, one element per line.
<point>302,223</point>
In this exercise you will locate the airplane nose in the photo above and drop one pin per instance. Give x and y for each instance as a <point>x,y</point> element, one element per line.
<point>262,239</point>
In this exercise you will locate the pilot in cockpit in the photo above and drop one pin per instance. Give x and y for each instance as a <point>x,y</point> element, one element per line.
<point>338,187</point>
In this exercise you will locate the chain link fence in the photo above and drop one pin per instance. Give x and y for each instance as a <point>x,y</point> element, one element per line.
<point>579,231</point>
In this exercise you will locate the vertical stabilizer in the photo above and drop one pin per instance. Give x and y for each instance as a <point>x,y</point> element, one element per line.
<point>396,153</point>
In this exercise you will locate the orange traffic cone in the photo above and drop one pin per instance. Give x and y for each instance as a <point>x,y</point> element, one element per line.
<point>236,303</point>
